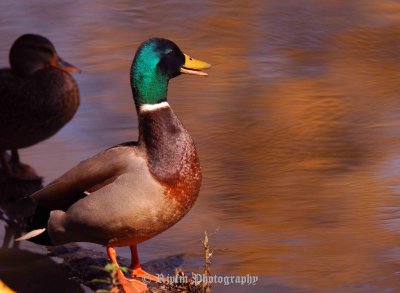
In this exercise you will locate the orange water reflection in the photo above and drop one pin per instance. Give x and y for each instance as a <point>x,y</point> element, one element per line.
<point>297,127</point>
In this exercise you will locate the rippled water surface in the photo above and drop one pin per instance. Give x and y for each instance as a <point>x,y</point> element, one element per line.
<point>297,127</point>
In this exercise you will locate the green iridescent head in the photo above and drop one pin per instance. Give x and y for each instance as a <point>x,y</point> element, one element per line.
<point>156,62</point>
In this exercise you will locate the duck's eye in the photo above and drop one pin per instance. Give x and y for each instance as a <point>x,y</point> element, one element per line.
<point>170,52</point>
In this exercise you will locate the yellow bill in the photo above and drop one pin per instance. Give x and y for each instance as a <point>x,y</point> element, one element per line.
<point>193,66</point>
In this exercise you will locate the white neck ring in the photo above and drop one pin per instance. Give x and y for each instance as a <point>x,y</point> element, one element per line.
<point>153,107</point>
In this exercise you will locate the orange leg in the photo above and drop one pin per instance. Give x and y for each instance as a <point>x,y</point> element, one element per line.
<point>137,271</point>
<point>128,285</point>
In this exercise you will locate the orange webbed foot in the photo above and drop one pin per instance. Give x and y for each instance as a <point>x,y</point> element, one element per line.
<point>140,273</point>
<point>131,285</point>
<point>128,285</point>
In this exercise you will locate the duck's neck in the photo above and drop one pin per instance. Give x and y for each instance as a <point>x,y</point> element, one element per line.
<point>165,139</point>
<point>171,153</point>
<point>149,85</point>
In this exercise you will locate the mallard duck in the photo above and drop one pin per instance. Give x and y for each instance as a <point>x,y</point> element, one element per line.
<point>131,192</point>
<point>38,97</point>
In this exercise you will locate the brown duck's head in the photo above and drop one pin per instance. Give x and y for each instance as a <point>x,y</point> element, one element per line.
<point>31,53</point>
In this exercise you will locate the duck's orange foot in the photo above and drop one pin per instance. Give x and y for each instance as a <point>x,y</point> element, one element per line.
<point>131,285</point>
<point>140,273</point>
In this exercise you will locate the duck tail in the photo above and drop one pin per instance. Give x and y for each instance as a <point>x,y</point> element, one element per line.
<point>36,225</point>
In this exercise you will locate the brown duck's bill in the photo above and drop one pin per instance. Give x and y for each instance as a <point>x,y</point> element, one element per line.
<point>193,66</point>
<point>63,65</point>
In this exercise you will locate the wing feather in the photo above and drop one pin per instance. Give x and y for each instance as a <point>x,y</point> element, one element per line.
<point>86,177</point>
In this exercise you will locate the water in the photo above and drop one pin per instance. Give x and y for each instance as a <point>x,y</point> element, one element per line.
<point>297,128</point>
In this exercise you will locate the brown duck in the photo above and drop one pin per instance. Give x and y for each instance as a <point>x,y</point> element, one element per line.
<point>38,97</point>
<point>136,190</point>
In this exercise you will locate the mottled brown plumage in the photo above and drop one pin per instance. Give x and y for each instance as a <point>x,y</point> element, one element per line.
<point>37,94</point>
